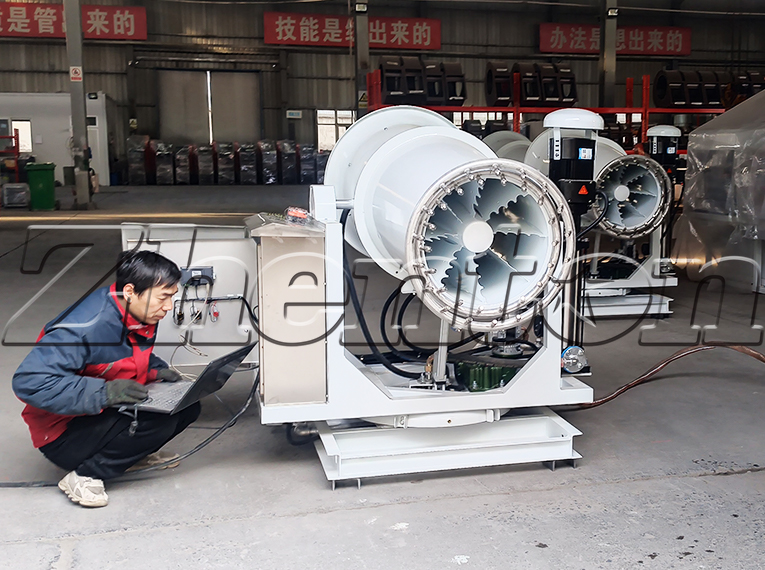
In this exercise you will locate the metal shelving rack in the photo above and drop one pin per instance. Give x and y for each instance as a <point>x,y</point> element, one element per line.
<point>374,85</point>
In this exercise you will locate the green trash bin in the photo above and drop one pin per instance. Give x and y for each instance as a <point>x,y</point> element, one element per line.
<point>42,185</point>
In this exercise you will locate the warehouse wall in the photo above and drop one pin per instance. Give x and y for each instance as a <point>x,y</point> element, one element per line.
<point>229,37</point>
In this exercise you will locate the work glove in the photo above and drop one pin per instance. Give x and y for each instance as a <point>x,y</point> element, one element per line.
<point>168,375</point>
<point>125,392</point>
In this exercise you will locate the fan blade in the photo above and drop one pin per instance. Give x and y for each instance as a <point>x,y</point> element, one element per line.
<point>614,215</point>
<point>496,278</point>
<point>632,173</point>
<point>494,196</point>
<point>440,257</point>
<point>648,189</point>
<point>643,202</point>
<point>519,216</point>
<point>471,193</point>
<point>631,215</point>
<point>447,224</point>
<point>462,278</point>
<point>463,206</point>
<point>523,254</point>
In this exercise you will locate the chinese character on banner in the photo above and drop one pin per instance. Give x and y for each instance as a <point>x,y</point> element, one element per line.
<point>636,40</point>
<point>18,21</point>
<point>124,23</point>
<point>621,43</point>
<point>46,19</point>
<point>421,34</point>
<point>349,37</point>
<point>558,39</point>
<point>595,39</point>
<point>285,28</point>
<point>630,40</point>
<point>655,41</point>
<point>97,23</point>
<point>309,29</point>
<point>578,37</point>
<point>674,40</point>
<point>338,31</point>
<point>400,33</point>
<point>332,32</point>
<point>377,34</point>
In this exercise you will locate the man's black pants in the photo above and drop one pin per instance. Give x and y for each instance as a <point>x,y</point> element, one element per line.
<point>101,446</point>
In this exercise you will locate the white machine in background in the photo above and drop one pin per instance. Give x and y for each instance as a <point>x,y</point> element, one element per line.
<point>639,195</point>
<point>485,243</point>
<point>508,144</point>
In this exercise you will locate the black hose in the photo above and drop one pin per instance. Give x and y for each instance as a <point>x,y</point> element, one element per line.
<point>602,215</point>
<point>414,347</point>
<point>400,325</point>
<point>383,318</point>
<point>363,322</point>
<point>526,343</point>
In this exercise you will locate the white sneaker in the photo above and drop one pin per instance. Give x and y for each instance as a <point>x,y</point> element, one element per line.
<point>157,458</point>
<point>84,491</point>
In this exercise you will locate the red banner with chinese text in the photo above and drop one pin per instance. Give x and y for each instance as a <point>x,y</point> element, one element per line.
<point>327,31</point>
<point>630,40</point>
<point>47,21</point>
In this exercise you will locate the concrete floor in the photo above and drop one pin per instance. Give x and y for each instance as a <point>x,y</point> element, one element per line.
<point>671,475</point>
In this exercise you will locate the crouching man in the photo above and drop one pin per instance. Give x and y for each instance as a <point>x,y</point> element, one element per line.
<point>88,361</point>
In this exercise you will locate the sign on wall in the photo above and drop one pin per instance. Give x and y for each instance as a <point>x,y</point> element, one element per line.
<point>630,40</point>
<point>47,21</point>
<point>323,30</point>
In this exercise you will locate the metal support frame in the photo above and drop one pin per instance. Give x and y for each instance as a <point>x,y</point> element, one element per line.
<point>537,435</point>
<point>607,61</point>
<point>361,43</point>
<point>73,15</point>
<point>439,363</point>
<point>283,93</point>
<point>620,297</point>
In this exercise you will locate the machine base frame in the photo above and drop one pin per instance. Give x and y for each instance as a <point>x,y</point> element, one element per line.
<point>534,435</point>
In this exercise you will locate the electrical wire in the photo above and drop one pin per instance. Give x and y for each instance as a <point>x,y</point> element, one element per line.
<point>419,349</point>
<point>383,318</point>
<point>663,364</point>
<point>362,320</point>
<point>602,215</point>
<point>205,443</point>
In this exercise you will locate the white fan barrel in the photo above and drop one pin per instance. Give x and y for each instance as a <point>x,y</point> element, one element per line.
<point>479,237</point>
<point>491,243</point>
<point>639,193</point>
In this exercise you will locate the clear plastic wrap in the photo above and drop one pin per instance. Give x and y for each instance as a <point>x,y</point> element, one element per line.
<point>184,158</point>
<point>206,161</point>
<point>724,199</point>
<point>307,154</point>
<point>248,164</point>
<point>267,162</point>
<point>287,156</point>
<point>226,161</point>
<point>165,161</point>
<point>136,153</point>
<point>321,165</point>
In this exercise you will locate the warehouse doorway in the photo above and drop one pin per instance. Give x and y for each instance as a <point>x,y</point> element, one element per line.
<point>197,107</point>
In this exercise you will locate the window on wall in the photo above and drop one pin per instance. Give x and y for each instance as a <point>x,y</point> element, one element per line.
<point>331,125</point>
<point>25,134</point>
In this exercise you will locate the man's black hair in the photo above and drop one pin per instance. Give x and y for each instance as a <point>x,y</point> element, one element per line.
<point>145,269</point>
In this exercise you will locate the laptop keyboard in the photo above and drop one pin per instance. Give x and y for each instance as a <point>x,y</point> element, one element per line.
<point>168,395</point>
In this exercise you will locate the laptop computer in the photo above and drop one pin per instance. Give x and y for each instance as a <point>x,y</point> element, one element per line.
<point>172,397</point>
